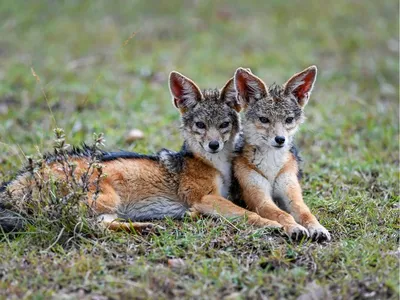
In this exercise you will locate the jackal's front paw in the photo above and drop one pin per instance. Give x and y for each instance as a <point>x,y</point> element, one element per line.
<point>296,232</point>
<point>319,233</point>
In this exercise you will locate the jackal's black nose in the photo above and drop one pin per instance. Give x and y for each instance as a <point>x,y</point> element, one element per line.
<point>214,145</point>
<point>279,139</point>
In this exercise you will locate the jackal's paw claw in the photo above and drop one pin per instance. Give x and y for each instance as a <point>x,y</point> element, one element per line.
<point>151,228</point>
<point>297,232</point>
<point>319,233</point>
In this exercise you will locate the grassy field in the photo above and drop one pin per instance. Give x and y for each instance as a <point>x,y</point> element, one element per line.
<point>98,77</point>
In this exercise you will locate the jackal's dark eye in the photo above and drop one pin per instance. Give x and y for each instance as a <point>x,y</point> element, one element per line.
<point>224,125</point>
<point>200,125</point>
<point>289,120</point>
<point>264,120</point>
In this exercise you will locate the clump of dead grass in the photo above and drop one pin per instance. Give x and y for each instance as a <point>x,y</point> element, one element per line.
<point>55,206</point>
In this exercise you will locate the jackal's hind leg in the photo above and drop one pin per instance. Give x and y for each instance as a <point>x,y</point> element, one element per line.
<point>112,222</point>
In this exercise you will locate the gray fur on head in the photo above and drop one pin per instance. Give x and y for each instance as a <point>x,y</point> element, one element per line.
<point>213,111</point>
<point>275,111</point>
<point>208,116</point>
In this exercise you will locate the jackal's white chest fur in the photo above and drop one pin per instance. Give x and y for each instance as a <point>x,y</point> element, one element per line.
<point>222,163</point>
<point>270,162</point>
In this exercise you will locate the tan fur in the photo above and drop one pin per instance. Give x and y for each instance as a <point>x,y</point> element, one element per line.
<point>198,188</point>
<point>204,196</point>
<point>294,193</point>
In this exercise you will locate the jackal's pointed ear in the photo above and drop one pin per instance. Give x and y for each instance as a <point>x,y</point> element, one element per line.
<point>248,86</point>
<point>229,95</point>
<point>185,93</point>
<point>301,85</point>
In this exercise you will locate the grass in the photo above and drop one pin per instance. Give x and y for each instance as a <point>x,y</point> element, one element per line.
<point>96,79</point>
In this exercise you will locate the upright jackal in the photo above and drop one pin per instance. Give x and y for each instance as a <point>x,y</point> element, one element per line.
<point>267,168</point>
<point>169,184</point>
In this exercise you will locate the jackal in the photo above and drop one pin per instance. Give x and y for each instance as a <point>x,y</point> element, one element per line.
<point>267,167</point>
<point>168,184</point>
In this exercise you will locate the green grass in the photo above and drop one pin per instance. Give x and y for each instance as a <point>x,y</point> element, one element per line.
<point>95,83</point>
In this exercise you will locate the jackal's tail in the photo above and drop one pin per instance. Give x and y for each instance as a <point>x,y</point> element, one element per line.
<point>9,220</point>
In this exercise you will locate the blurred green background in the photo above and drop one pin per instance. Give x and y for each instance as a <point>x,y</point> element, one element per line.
<point>98,77</point>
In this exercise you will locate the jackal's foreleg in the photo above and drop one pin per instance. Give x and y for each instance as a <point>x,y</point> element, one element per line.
<point>288,190</point>
<point>215,205</point>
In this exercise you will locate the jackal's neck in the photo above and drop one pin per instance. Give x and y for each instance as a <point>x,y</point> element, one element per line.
<point>267,159</point>
<point>221,161</point>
